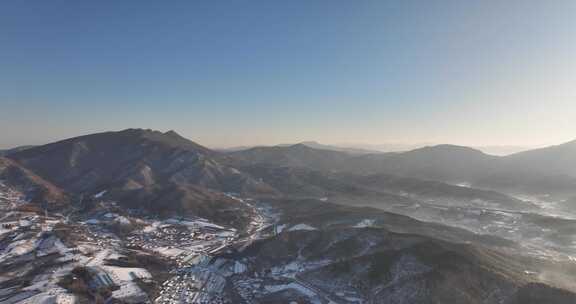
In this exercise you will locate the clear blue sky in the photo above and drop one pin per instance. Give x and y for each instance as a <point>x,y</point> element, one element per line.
<point>228,73</point>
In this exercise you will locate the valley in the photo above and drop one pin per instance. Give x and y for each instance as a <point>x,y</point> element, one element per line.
<point>140,216</point>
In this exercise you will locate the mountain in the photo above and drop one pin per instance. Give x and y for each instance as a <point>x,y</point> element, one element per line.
<point>547,172</point>
<point>386,147</point>
<point>351,150</point>
<point>311,144</point>
<point>554,160</point>
<point>141,168</point>
<point>299,155</point>
<point>29,186</point>
<point>541,172</point>
<point>447,163</point>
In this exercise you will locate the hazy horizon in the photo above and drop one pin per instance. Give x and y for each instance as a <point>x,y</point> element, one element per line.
<point>235,73</point>
<point>390,146</point>
<point>368,147</point>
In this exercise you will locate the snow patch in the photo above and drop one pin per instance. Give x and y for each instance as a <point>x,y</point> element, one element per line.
<point>365,223</point>
<point>302,227</point>
<point>100,194</point>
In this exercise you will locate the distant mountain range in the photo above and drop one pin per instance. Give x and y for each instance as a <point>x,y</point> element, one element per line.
<point>166,172</point>
<point>501,150</point>
<point>441,222</point>
<point>299,155</point>
<point>351,150</point>
<point>169,173</point>
<point>311,144</point>
<point>538,172</point>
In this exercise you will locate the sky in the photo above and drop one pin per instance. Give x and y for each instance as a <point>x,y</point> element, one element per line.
<point>230,73</point>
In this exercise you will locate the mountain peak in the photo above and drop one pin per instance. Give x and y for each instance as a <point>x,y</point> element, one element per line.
<point>137,131</point>
<point>448,148</point>
<point>311,144</point>
<point>300,146</point>
<point>172,133</point>
<point>169,138</point>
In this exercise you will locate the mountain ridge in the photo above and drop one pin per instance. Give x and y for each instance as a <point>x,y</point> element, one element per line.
<point>161,171</point>
<point>32,187</point>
